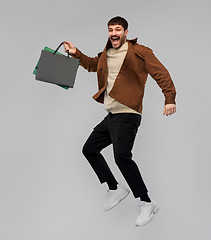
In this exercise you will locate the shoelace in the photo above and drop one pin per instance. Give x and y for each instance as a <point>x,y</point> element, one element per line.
<point>109,194</point>
<point>141,210</point>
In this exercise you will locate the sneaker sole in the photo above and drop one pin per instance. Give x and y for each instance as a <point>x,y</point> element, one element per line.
<point>118,201</point>
<point>150,217</point>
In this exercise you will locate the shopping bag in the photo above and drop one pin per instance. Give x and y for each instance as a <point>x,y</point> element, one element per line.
<point>49,50</point>
<point>54,67</point>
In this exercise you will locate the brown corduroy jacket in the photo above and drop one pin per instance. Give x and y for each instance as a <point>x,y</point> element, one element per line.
<point>129,85</point>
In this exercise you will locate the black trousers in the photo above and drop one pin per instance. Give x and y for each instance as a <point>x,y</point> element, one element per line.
<point>120,130</point>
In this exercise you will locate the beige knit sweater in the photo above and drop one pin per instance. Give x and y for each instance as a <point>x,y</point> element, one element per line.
<point>115,58</point>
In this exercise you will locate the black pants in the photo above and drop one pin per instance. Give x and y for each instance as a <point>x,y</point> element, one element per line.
<point>120,130</point>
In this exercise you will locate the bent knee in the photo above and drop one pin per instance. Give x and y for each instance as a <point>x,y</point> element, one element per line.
<point>85,150</point>
<point>88,150</point>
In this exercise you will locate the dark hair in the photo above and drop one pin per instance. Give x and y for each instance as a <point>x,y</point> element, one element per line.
<point>118,20</point>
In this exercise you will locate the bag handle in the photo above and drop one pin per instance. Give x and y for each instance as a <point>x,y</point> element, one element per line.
<point>58,49</point>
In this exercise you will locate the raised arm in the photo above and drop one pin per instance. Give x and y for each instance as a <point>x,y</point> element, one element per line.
<point>89,63</point>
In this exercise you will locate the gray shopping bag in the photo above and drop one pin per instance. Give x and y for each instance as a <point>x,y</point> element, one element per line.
<point>57,69</point>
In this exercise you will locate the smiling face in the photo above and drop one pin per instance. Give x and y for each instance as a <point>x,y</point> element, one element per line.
<point>117,35</point>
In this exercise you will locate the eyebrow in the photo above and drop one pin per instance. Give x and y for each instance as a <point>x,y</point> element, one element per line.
<point>115,28</point>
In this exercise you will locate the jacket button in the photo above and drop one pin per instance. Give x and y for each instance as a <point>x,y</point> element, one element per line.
<point>105,70</point>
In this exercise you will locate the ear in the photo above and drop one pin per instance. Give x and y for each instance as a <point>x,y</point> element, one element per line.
<point>126,33</point>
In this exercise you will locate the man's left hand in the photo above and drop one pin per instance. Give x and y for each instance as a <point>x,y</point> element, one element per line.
<point>169,109</point>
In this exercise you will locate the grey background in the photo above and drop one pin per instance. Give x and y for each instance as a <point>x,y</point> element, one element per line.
<point>48,190</point>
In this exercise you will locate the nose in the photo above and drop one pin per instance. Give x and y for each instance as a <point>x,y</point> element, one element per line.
<point>113,33</point>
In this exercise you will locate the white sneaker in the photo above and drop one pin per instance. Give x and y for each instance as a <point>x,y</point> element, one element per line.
<point>146,213</point>
<point>115,197</point>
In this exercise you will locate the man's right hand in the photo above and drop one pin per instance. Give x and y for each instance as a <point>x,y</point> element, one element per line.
<point>68,46</point>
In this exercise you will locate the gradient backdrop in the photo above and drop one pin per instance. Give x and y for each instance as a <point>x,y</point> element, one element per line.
<point>48,190</point>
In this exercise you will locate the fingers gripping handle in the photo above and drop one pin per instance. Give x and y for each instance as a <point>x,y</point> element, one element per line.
<point>58,49</point>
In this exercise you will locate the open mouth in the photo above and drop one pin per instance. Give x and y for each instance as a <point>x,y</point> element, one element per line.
<point>115,39</point>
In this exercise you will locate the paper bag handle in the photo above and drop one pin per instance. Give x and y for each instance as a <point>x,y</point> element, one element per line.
<point>58,49</point>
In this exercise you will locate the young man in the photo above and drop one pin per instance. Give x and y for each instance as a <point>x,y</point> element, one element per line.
<point>122,70</point>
